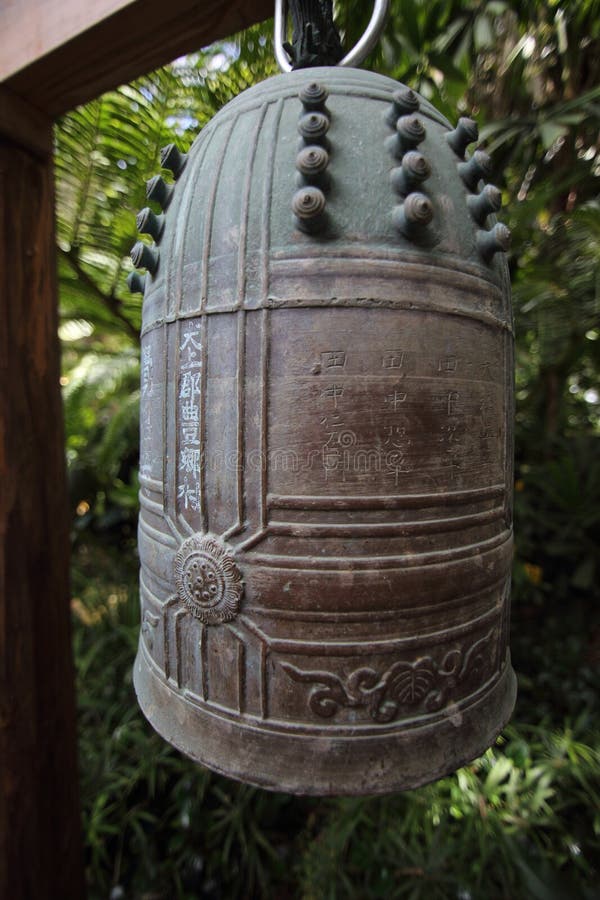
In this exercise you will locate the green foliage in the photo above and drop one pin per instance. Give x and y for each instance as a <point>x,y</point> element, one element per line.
<point>557,313</point>
<point>495,829</point>
<point>523,821</point>
<point>557,522</point>
<point>101,401</point>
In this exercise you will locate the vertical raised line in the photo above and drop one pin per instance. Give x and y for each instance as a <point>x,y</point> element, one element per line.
<point>266,208</point>
<point>178,674</point>
<point>508,462</point>
<point>264,700</point>
<point>241,371</point>
<point>166,644</point>
<point>167,635</point>
<point>165,427</point>
<point>210,217</point>
<point>183,230</point>
<point>202,654</point>
<point>264,413</point>
<point>241,272</point>
<point>241,675</point>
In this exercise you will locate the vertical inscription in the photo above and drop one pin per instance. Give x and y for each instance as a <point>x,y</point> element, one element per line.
<point>146,371</point>
<point>147,377</point>
<point>396,446</point>
<point>335,434</point>
<point>390,403</point>
<point>452,431</point>
<point>189,419</point>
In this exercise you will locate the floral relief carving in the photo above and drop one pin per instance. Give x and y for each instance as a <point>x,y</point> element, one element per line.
<point>208,579</point>
<point>403,687</point>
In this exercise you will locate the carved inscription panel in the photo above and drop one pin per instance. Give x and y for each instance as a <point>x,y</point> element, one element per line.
<point>152,377</point>
<point>384,401</point>
<point>189,419</point>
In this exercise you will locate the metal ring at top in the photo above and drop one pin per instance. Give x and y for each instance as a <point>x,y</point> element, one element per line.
<point>354,58</point>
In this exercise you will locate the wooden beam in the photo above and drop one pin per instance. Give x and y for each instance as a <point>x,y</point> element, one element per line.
<point>24,125</point>
<point>40,841</point>
<point>92,47</point>
<point>34,28</point>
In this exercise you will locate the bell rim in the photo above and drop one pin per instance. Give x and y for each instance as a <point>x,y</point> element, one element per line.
<point>426,751</point>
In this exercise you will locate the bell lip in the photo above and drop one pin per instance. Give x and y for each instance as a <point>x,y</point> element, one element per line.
<point>427,748</point>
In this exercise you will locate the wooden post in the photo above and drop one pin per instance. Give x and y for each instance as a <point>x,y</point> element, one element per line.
<point>40,844</point>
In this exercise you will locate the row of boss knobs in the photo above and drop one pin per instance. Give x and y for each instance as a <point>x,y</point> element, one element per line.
<point>146,256</point>
<point>309,202</point>
<point>415,213</point>
<point>412,216</point>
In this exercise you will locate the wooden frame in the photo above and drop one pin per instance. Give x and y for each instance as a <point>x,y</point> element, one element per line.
<point>56,54</point>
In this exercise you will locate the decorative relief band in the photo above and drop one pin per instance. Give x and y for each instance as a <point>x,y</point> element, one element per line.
<point>403,687</point>
<point>208,580</point>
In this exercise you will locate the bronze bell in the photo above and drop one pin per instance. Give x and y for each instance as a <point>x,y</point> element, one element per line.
<point>326,441</point>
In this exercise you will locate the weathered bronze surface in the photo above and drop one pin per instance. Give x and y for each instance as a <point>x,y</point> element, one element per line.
<point>327,354</point>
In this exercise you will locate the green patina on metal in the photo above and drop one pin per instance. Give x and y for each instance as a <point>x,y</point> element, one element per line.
<point>326,470</point>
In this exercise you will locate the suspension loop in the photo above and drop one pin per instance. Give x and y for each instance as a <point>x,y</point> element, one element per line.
<point>355,57</point>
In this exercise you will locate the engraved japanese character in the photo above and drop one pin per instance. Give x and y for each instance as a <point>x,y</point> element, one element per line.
<point>452,402</point>
<point>333,393</point>
<point>449,432</point>
<point>448,364</point>
<point>190,387</point>
<point>396,399</point>
<point>333,359</point>
<point>393,359</point>
<point>189,461</point>
<point>190,434</point>
<point>337,433</point>
<point>485,408</point>
<point>191,351</point>
<point>395,464</point>
<point>190,412</point>
<point>190,494</point>
<point>146,370</point>
<point>454,468</point>
<point>396,436</point>
<point>331,459</point>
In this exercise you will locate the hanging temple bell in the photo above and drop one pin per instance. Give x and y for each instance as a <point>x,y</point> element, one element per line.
<point>326,441</point>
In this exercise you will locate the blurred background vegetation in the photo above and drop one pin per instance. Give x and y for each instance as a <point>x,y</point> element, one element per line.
<point>524,820</point>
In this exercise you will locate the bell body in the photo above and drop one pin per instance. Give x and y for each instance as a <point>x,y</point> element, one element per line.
<point>326,460</point>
